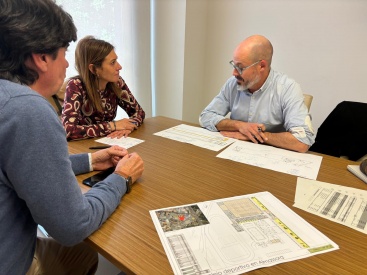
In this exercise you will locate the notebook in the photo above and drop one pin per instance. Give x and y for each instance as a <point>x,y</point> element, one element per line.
<point>357,172</point>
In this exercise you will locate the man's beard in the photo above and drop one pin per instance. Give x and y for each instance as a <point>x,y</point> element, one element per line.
<point>248,85</point>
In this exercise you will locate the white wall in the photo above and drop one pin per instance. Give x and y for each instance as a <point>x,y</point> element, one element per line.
<point>168,40</point>
<point>194,59</point>
<point>134,52</point>
<point>320,43</point>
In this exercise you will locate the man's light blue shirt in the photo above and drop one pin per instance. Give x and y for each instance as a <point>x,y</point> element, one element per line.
<point>278,104</point>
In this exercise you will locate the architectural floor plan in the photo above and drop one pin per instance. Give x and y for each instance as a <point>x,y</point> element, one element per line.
<point>235,235</point>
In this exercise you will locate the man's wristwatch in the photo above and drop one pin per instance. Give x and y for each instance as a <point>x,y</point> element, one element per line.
<point>129,183</point>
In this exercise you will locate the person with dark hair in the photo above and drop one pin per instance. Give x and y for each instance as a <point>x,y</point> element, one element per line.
<point>92,97</point>
<point>265,106</point>
<point>37,175</point>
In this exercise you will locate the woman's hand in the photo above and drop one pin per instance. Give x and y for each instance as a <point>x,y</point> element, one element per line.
<point>119,134</point>
<point>126,124</point>
<point>123,128</point>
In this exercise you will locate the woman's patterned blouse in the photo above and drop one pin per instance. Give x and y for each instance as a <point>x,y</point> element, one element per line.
<point>81,120</point>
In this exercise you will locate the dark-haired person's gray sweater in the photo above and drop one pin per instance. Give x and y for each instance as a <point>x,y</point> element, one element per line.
<point>37,181</point>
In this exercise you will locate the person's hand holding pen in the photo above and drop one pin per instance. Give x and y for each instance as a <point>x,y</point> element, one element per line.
<point>122,128</point>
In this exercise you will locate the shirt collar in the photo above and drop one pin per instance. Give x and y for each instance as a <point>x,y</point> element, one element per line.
<point>267,81</point>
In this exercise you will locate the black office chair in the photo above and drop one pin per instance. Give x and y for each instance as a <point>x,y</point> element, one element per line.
<point>344,132</point>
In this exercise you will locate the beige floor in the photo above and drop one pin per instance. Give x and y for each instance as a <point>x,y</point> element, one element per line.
<point>106,268</point>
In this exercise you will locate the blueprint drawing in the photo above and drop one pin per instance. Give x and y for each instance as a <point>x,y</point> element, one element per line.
<point>235,235</point>
<point>269,157</point>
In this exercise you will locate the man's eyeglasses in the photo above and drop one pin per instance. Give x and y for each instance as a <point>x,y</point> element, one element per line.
<point>240,70</point>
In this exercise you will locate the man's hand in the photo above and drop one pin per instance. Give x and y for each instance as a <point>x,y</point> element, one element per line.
<point>236,135</point>
<point>106,158</point>
<point>253,132</point>
<point>256,133</point>
<point>130,165</point>
<point>243,130</point>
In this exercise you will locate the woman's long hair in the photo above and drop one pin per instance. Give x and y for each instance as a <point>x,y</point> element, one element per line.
<point>93,51</point>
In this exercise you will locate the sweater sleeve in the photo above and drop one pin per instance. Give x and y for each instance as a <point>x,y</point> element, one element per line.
<point>41,173</point>
<point>80,163</point>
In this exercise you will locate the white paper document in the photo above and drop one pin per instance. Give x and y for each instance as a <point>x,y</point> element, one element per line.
<point>196,136</point>
<point>269,157</point>
<point>235,235</point>
<point>126,142</point>
<point>341,204</point>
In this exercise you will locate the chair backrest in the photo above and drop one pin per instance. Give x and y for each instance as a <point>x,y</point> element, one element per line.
<point>307,100</point>
<point>57,100</point>
<point>54,101</point>
<point>330,140</point>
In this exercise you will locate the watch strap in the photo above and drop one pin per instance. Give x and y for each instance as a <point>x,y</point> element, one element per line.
<point>129,183</point>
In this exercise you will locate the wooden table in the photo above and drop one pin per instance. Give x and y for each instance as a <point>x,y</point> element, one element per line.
<point>177,173</point>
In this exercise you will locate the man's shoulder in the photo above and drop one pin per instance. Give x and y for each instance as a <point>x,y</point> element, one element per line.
<point>11,90</point>
<point>282,85</point>
<point>281,77</point>
<point>22,99</point>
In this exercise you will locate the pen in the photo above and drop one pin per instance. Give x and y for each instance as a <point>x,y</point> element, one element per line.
<point>100,147</point>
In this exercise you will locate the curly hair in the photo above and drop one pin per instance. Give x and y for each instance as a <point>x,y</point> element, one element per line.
<point>31,26</point>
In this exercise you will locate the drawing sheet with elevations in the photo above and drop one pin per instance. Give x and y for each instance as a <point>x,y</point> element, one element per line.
<point>341,204</point>
<point>196,136</point>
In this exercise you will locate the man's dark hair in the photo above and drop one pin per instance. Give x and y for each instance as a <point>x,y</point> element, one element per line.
<point>31,26</point>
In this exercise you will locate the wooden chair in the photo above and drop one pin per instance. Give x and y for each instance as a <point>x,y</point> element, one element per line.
<point>57,100</point>
<point>308,100</point>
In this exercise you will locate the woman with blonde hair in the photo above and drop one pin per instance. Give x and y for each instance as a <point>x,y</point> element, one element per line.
<point>92,97</point>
